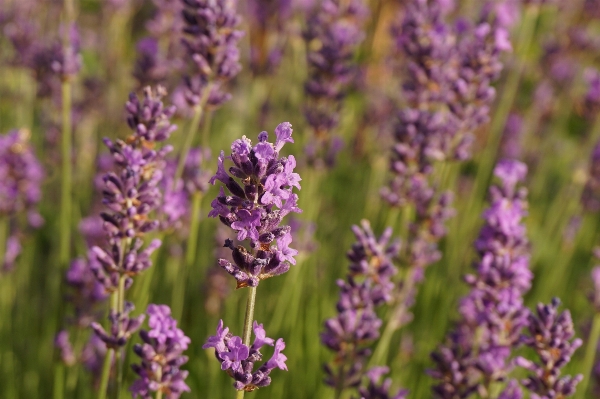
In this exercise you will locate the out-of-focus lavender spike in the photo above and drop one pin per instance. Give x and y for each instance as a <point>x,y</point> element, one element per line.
<point>21,176</point>
<point>86,292</point>
<point>334,29</point>
<point>380,390</point>
<point>259,199</point>
<point>592,96</point>
<point>551,337</point>
<point>268,23</point>
<point>63,343</point>
<point>356,326</point>
<point>239,360</point>
<point>512,391</point>
<point>131,192</point>
<point>122,327</point>
<point>162,356</point>
<point>216,287</point>
<point>492,314</point>
<point>590,197</point>
<point>211,42</point>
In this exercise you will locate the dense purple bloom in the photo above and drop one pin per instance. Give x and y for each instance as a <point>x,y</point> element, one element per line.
<point>21,175</point>
<point>239,360</point>
<point>356,326</point>
<point>377,390</point>
<point>551,337</point>
<point>590,197</point>
<point>162,356</point>
<point>333,33</point>
<point>211,42</point>
<point>122,327</point>
<point>131,192</point>
<point>257,204</point>
<point>493,313</point>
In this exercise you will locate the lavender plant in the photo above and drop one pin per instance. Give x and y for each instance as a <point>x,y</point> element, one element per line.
<point>353,330</point>
<point>21,175</point>
<point>130,194</point>
<point>476,356</point>
<point>255,210</point>
<point>333,33</point>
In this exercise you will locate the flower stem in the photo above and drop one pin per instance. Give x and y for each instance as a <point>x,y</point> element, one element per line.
<point>105,374</point>
<point>190,257</point>
<point>119,352</point>
<point>248,325</point>
<point>590,355</point>
<point>67,176</point>
<point>189,139</point>
<point>159,394</point>
<point>4,233</point>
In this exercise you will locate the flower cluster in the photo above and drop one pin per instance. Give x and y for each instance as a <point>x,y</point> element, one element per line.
<point>211,40</point>
<point>162,356</point>
<point>239,359</point>
<point>21,175</point>
<point>377,390</point>
<point>257,205</point>
<point>121,327</point>
<point>333,33</point>
<point>368,285</point>
<point>551,337</point>
<point>132,191</point>
<point>86,294</point>
<point>492,313</point>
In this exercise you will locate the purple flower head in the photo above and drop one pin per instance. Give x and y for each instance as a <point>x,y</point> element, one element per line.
<point>334,30</point>
<point>260,188</point>
<point>211,43</point>
<point>551,337</point>
<point>162,356</point>
<point>132,190</point>
<point>379,390</point>
<point>492,314</point>
<point>122,327</point>
<point>86,292</point>
<point>592,97</point>
<point>62,342</point>
<point>368,285</point>
<point>239,360</point>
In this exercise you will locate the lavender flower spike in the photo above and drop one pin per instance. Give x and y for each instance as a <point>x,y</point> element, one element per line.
<point>259,199</point>
<point>493,313</point>
<point>551,336</point>
<point>211,41</point>
<point>238,359</point>
<point>162,356</point>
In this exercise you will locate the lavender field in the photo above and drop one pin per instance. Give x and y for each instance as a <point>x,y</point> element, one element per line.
<point>366,199</point>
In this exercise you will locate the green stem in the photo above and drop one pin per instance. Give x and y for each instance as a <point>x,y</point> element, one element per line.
<point>248,325</point>
<point>119,352</point>
<point>189,139</point>
<point>590,354</point>
<point>190,257</point>
<point>67,176</point>
<point>4,225</point>
<point>159,394</point>
<point>105,374</point>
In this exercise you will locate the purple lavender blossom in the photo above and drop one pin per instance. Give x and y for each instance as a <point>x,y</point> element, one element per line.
<point>356,326</point>
<point>62,342</point>
<point>122,327</point>
<point>239,360</point>
<point>132,191</point>
<point>268,23</point>
<point>551,337</point>
<point>86,293</point>
<point>590,197</point>
<point>21,175</point>
<point>211,40</point>
<point>333,33</point>
<point>492,314</point>
<point>162,356</point>
<point>377,390</point>
<point>592,97</point>
<point>257,205</point>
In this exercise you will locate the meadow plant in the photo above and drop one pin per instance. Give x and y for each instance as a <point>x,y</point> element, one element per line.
<point>255,210</point>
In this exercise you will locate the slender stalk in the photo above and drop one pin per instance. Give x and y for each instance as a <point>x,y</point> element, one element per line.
<point>66,175</point>
<point>189,139</point>
<point>105,374</point>
<point>590,354</point>
<point>119,352</point>
<point>159,394</point>
<point>190,257</point>
<point>248,325</point>
<point>4,225</point>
